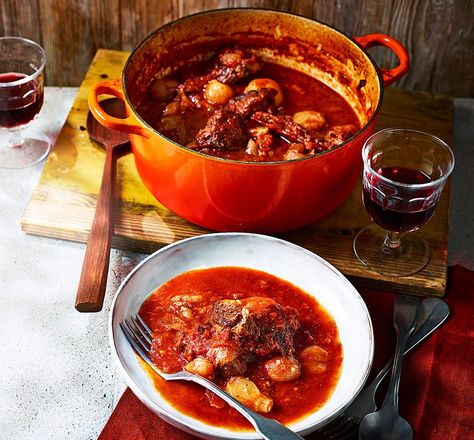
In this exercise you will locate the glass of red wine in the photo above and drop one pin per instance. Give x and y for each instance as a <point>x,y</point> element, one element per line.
<point>403,178</point>
<point>21,98</point>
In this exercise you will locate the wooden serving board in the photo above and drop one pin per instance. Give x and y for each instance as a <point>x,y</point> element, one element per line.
<point>62,206</point>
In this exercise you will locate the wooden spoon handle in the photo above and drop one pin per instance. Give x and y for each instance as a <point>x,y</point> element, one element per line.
<point>91,289</point>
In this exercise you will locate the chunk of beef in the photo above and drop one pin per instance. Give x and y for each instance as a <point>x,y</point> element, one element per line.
<point>190,94</point>
<point>226,312</point>
<point>196,342</point>
<point>230,65</point>
<point>288,129</point>
<point>224,131</point>
<point>267,327</point>
<point>233,64</point>
<point>238,331</point>
<point>246,104</point>
<point>282,125</point>
<point>194,85</point>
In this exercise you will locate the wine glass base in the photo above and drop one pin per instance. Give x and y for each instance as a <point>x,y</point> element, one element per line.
<point>412,256</point>
<point>31,151</point>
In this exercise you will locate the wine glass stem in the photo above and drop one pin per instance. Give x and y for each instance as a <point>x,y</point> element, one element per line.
<point>16,140</point>
<point>392,240</point>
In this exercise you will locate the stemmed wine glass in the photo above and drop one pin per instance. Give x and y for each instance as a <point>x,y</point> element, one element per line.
<point>403,178</point>
<point>21,98</point>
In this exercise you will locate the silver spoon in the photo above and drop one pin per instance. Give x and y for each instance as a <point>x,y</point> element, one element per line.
<point>433,313</point>
<point>386,423</point>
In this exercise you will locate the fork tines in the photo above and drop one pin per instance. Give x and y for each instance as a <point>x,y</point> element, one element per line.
<point>138,334</point>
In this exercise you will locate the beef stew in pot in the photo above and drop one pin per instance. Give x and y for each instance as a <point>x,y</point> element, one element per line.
<point>237,106</point>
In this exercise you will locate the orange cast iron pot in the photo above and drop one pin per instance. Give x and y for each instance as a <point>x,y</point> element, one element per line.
<point>268,197</point>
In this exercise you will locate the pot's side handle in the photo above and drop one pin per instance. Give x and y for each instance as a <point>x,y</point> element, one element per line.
<point>389,75</point>
<point>113,87</point>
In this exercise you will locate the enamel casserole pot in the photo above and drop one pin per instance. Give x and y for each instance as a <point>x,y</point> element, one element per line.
<point>228,195</point>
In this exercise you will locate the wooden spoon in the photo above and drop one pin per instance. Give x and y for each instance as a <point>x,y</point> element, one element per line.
<point>91,289</point>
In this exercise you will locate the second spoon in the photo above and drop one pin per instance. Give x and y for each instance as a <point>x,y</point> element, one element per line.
<point>386,423</point>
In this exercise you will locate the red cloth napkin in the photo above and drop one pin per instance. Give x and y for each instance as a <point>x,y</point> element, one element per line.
<point>437,385</point>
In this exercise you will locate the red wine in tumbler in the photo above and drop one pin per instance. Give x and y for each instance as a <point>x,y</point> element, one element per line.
<point>19,104</point>
<point>399,214</point>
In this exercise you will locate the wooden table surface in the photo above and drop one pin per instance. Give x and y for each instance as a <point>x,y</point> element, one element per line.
<point>62,205</point>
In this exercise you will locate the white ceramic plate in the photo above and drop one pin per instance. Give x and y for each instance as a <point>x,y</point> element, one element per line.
<point>277,257</point>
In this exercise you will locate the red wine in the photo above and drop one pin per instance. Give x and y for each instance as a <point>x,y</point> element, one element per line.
<point>395,208</point>
<point>19,104</point>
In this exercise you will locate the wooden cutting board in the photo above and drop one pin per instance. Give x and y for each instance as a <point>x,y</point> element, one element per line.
<point>62,206</point>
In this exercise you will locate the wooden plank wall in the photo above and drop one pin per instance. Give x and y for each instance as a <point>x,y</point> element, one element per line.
<point>439,34</point>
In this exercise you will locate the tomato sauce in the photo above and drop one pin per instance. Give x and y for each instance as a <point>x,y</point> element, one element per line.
<point>293,400</point>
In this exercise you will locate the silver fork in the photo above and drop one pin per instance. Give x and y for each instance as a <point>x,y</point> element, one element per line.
<point>140,337</point>
<point>433,313</point>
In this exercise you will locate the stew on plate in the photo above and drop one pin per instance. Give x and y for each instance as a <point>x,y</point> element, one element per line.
<point>237,106</point>
<point>262,339</point>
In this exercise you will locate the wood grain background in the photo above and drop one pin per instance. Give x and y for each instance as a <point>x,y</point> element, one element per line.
<point>439,34</point>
